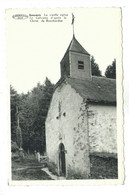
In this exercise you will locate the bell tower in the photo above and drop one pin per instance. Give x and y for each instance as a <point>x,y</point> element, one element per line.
<point>76,62</point>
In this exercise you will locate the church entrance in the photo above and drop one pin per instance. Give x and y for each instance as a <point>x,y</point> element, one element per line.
<point>62,165</point>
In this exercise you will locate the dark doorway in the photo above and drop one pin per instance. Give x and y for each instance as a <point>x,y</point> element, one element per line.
<point>62,165</point>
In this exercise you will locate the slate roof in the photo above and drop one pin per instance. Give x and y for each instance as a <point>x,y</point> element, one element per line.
<point>99,89</point>
<point>75,46</point>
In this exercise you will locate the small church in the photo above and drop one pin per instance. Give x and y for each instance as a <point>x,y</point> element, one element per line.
<point>81,121</point>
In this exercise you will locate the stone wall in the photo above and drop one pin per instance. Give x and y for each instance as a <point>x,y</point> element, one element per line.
<point>67,123</point>
<point>102,130</point>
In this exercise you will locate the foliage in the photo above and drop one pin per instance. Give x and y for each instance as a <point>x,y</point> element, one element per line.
<point>111,70</point>
<point>14,101</point>
<point>95,67</point>
<point>103,168</point>
<point>33,108</point>
<point>14,146</point>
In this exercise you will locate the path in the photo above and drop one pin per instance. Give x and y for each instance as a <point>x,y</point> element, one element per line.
<point>54,177</point>
<point>29,169</point>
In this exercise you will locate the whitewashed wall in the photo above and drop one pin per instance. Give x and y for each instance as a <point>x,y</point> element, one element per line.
<point>102,129</point>
<point>70,129</point>
<point>83,129</point>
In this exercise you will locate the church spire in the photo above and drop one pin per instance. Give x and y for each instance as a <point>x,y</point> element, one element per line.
<point>73,24</point>
<point>76,60</point>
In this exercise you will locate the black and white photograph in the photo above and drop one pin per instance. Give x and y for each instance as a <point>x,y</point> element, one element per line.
<point>65,80</point>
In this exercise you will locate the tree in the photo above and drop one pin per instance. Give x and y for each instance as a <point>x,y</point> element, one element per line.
<point>95,67</point>
<point>111,70</point>
<point>14,101</point>
<point>33,108</point>
<point>39,123</point>
<point>29,108</point>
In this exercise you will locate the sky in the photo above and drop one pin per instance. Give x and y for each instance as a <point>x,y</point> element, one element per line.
<point>35,49</point>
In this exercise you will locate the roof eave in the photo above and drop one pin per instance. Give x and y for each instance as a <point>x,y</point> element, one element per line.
<point>101,102</point>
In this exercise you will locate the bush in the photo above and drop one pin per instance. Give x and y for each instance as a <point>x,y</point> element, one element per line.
<point>14,146</point>
<point>103,168</point>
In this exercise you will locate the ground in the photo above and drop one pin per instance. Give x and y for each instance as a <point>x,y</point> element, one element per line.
<point>103,168</point>
<point>28,169</point>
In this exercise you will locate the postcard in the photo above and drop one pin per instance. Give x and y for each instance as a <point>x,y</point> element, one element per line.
<point>65,78</point>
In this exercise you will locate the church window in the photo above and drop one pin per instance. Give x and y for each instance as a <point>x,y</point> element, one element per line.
<point>80,65</point>
<point>64,114</point>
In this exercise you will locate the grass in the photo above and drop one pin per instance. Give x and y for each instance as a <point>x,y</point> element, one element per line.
<point>30,174</point>
<point>103,168</point>
<point>28,169</point>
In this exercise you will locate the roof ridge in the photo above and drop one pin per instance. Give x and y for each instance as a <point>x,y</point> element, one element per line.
<point>103,77</point>
<point>71,42</point>
<point>75,46</point>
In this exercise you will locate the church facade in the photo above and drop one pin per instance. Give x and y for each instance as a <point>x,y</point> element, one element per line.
<point>81,121</point>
